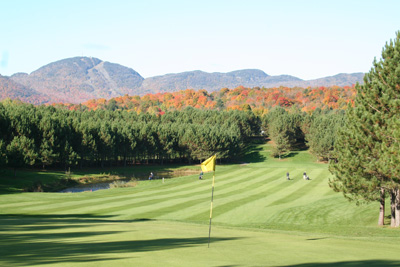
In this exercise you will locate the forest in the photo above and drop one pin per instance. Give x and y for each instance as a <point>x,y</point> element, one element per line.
<point>180,127</point>
<point>47,136</point>
<point>259,100</point>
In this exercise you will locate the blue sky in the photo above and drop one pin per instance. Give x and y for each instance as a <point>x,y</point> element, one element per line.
<point>307,39</point>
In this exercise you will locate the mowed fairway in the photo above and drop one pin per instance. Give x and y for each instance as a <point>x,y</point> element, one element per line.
<point>259,219</point>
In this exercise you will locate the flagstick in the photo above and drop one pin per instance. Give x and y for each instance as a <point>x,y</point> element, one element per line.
<point>212,197</point>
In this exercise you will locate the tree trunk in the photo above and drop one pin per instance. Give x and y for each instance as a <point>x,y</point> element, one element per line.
<point>397,211</point>
<point>392,208</point>
<point>381,220</point>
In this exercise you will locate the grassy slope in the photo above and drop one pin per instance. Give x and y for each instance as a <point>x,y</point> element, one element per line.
<point>259,219</point>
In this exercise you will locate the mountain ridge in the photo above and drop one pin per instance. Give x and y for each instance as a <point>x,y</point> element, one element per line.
<point>78,79</point>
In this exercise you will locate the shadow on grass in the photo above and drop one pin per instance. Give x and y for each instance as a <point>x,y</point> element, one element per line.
<point>370,263</point>
<point>49,239</point>
<point>251,154</point>
<point>319,238</point>
<point>289,155</point>
<point>23,222</point>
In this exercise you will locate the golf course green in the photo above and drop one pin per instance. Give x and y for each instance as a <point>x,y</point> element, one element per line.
<point>259,219</point>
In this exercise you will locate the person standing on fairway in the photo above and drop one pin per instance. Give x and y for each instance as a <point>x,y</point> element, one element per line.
<point>305,176</point>
<point>287,176</point>
<point>151,176</point>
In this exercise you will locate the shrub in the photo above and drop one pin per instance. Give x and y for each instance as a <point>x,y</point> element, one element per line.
<point>117,184</point>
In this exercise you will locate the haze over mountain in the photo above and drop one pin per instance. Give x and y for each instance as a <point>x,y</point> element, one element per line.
<point>14,90</point>
<point>247,78</point>
<point>78,79</point>
<point>214,81</point>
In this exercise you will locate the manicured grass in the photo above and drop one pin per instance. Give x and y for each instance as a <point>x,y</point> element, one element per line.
<point>259,219</point>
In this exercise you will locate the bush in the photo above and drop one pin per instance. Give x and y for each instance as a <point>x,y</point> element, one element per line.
<point>117,184</point>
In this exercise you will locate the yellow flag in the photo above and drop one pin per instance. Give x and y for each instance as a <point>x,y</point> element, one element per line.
<point>209,164</point>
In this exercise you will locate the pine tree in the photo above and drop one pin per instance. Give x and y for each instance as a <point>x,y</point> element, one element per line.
<point>279,132</point>
<point>283,129</point>
<point>21,152</point>
<point>321,134</point>
<point>367,148</point>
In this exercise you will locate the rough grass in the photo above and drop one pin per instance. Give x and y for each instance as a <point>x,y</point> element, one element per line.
<point>53,180</point>
<point>259,219</point>
<point>119,184</point>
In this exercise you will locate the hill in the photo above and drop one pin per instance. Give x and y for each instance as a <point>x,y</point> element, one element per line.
<point>81,78</point>
<point>78,79</point>
<point>341,79</point>
<point>248,78</point>
<point>214,81</point>
<point>14,90</point>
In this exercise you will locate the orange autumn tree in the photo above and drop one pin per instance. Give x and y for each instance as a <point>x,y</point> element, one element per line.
<point>257,99</point>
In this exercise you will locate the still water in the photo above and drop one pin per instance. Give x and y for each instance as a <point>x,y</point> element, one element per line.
<point>86,188</point>
<point>106,185</point>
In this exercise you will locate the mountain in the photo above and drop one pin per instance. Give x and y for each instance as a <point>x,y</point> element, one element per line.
<point>13,90</point>
<point>213,81</point>
<point>78,79</point>
<point>247,78</point>
<point>341,79</point>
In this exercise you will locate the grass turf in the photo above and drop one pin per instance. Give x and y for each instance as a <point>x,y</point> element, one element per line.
<point>259,219</point>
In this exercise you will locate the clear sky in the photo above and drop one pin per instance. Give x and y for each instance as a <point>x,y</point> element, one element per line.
<point>304,38</point>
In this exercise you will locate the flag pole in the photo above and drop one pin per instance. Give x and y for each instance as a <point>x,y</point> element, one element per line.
<point>212,197</point>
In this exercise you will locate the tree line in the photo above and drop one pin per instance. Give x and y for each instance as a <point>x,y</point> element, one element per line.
<point>47,136</point>
<point>258,100</point>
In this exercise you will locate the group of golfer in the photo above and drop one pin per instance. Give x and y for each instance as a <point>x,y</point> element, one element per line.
<point>305,176</point>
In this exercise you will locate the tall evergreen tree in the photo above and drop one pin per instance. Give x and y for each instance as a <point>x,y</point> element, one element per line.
<point>321,134</point>
<point>21,152</point>
<point>283,129</point>
<point>367,148</point>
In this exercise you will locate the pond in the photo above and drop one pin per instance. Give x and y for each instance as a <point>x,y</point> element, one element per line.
<point>141,176</point>
<point>86,188</point>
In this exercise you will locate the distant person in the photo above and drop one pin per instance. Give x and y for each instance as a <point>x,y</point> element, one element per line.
<point>151,176</point>
<point>304,175</point>
<point>287,176</point>
<point>201,176</point>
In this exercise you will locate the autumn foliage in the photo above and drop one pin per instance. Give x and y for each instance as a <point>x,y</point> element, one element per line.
<point>259,100</point>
